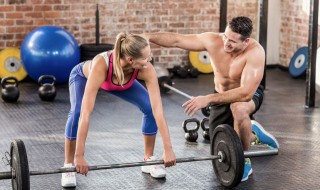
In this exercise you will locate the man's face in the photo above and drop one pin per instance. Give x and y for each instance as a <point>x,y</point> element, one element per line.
<point>232,42</point>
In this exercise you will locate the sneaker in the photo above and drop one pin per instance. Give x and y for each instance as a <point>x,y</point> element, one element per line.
<point>263,136</point>
<point>68,179</point>
<point>156,171</point>
<point>247,170</point>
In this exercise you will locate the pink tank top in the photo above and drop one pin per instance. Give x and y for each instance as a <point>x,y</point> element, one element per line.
<point>108,84</point>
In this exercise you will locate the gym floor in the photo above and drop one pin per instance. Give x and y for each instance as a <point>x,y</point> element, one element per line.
<point>115,137</point>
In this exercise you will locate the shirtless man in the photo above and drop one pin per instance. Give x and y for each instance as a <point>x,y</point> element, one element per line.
<point>238,64</point>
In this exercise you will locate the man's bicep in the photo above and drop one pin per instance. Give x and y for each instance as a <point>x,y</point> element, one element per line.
<point>252,73</point>
<point>194,42</point>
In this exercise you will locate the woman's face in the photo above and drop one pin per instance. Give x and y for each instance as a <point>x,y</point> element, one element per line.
<point>143,61</point>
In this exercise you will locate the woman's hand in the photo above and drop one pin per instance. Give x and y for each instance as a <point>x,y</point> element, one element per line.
<point>169,158</point>
<point>81,165</point>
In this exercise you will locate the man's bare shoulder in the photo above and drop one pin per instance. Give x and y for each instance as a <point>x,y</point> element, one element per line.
<point>211,39</point>
<point>255,46</point>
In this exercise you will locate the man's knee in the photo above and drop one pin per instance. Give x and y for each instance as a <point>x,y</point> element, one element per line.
<point>240,111</point>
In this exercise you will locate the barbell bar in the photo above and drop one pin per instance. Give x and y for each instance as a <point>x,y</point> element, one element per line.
<point>247,154</point>
<point>227,158</point>
<point>165,85</point>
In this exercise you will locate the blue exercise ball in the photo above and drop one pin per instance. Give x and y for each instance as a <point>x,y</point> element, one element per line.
<point>49,50</point>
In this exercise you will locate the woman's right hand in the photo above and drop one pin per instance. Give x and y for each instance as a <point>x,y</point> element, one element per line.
<point>81,165</point>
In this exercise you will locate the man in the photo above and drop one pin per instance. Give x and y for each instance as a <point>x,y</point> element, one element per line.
<point>238,64</point>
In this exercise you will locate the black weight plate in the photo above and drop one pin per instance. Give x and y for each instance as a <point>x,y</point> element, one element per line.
<point>229,171</point>
<point>19,166</point>
<point>95,47</point>
<point>164,80</point>
<point>206,111</point>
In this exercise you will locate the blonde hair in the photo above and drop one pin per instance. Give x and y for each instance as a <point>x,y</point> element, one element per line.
<point>126,45</point>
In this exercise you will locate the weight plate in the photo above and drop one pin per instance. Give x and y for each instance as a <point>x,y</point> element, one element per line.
<point>19,166</point>
<point>201,61</point>
<point>10,64</point>
<point>299,62</point>
<point>229,171</point>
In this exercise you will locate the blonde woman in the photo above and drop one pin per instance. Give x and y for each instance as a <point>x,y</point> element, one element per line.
<point>116,72</point>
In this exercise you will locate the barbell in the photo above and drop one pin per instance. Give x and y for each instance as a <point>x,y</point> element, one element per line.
<point>227,158</point>
<point>165,85</point>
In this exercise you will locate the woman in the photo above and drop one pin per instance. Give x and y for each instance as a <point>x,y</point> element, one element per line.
<point>116,72</point>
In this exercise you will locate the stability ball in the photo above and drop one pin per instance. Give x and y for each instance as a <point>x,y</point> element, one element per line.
<point>49,50</point>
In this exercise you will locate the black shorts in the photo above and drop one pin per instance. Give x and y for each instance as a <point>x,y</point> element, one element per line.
<point>221,114</point>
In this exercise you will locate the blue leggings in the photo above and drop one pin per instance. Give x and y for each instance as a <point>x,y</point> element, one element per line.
<point>136,94</point>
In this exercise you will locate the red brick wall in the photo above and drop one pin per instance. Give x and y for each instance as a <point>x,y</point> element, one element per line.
<point>131,16</point>
<point>294,29</point>
<point>247,8</point>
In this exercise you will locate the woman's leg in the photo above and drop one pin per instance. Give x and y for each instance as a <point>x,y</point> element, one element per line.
<point>77,83</point>
<point>138,96</point>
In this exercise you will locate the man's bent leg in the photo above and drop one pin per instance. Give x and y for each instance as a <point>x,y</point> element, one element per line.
<point>242,125</point>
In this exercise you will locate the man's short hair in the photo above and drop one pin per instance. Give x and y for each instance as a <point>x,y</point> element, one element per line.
<point>241,25</point>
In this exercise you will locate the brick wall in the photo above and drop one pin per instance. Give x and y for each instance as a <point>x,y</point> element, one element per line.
<point>19,17</point>
<point>294,29</point>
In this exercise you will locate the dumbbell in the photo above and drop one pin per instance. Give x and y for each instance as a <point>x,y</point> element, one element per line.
<point>179,71</point>
<point>193,72</point>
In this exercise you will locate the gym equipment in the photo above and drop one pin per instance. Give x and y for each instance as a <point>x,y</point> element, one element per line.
<point>89,51</point>
<point>193,72</point>
<point>47,91</point>
<point>10,91</point>
<point>299,62</point>
<point>201,61</point>
<point>227,160</point>
<point>49,50</point>
<point>204,126</point>
<point>206,111</point>
<point>10,64</point>
<point>191,135</point>
<point>180,71</point>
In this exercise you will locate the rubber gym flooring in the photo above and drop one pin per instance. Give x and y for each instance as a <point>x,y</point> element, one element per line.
<point>115,137</point>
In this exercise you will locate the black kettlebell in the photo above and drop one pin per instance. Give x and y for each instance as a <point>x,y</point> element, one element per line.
<point>47,90</point>
<point>204,125</point>
<point>10,91</point>
<point>191,135</point>
<point>206,111</point>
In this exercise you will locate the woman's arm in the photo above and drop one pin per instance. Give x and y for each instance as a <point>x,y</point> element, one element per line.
<point>96,77</point>
<point>150,77</point>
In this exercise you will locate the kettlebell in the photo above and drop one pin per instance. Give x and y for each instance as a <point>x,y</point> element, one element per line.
<point>204,125</point>
<point>10,91</point>
<point>191,135</point>
<point>47,90</point>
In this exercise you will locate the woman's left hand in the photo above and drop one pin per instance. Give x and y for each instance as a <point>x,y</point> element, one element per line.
<point>169,158</point>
